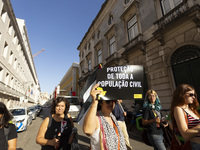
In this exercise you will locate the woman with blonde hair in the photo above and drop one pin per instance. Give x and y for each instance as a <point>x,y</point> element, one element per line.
<point>151,119</point>
<point>185,102</point>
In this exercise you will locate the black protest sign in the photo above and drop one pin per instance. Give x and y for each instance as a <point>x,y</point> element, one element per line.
<point>121,82</point>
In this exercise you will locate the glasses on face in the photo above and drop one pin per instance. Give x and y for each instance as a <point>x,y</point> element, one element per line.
<point>191,94</point>
<point>151,96</point>
<point>113,101</point>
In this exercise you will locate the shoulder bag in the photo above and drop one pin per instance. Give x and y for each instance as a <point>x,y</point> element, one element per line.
<point>176,143</point>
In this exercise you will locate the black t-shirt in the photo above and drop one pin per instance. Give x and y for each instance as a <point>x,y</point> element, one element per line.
<point>12,134</point>
<point>151,128</point>
<point>54,129</point>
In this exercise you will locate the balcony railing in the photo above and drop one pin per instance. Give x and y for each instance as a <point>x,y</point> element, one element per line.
<point>172,15</point>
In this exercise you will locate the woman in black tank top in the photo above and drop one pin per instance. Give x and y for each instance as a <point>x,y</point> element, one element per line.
<point>55,132</point>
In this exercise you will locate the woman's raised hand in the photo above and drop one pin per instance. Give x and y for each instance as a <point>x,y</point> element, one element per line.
<point>94,92</point>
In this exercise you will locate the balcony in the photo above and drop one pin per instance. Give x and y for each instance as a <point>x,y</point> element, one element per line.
<point>112,59</point>
<point>134,45</point>
<point>177,15</point>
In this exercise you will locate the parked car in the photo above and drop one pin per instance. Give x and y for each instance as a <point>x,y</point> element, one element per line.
<point>38,109</point>
<point>22,116</point>
<point>34,112</point>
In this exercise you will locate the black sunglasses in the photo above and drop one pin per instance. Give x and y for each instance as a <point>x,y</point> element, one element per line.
<point>191,94</point>
<point>108,102</point>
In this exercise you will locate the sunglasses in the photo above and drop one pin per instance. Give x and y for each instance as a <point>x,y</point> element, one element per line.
<point>113,101</point>
<point>191,94</point>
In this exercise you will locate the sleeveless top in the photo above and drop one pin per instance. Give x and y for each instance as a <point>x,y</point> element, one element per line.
<point>52,132</point>
<point>110,135</point>
<point>95,140</point>
<point>192,122</point>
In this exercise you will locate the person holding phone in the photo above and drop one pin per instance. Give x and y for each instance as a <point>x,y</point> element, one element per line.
<point>56,130</point>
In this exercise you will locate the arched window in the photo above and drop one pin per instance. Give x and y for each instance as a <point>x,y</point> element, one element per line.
<point>185,63</point>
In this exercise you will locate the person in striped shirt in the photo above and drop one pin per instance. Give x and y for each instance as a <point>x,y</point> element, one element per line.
<point>184,103</point>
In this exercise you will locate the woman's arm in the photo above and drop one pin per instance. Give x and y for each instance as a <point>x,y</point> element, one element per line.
<point>91,123</point>
<point>12,144</point>
<point>186,133</point>
<point>41,135</point>
<point>147,122</point>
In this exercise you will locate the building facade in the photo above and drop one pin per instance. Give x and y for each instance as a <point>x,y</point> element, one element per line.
<point>69,83</point>
<point>19,85</point>
<point>161,35</point>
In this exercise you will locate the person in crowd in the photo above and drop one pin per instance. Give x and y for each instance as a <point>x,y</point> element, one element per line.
<point>101,125</point>
<point>8,131</point>
<point>185,101</point>
<point>151,119</point>
<point>56,130</point>
<point>120,114</point>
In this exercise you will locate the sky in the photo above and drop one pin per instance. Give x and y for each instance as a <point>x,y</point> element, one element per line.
<point>58,27</point>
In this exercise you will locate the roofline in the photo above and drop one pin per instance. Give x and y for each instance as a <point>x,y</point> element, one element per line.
<point>93,22</point>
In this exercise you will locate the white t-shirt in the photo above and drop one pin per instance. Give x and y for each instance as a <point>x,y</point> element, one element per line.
<point>95,140</point>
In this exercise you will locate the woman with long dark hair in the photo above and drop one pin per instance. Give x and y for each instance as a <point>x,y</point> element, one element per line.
<point>185,102</point>
<point>8,132</point>
<point>56,130</point>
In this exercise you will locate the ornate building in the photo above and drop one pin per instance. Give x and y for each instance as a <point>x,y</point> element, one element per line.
<point>19,84</point>
<point>161,35</point>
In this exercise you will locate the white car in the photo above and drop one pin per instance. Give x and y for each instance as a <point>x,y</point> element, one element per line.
<point>23,117</point>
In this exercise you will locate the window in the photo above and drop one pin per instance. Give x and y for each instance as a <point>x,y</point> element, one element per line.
<point>1,73</point>
<point>11,57</point>
<point>168,5</point>
<point>15,63</point>
<point>89,65</point>
<point>126,1</point>
<point>5,51</point>
<point>7,78</point>
<point>82,54</point>
<point>98,35</point>
<point>99,57</point>
<point>89,46</point>
<point>112,45</point>
<point>110,20</point>
<point>132,28</point>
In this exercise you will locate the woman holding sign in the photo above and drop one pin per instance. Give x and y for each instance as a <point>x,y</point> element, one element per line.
<point>101,125</point>
<point>151,119</point>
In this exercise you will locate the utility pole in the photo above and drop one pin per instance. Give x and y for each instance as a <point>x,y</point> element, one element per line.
<point>38,53</point>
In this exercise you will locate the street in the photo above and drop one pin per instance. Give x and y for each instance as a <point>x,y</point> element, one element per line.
<point>27,139</point>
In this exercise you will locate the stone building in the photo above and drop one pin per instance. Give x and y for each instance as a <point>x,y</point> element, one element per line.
<point>19,84</point>
<point>161,35</point>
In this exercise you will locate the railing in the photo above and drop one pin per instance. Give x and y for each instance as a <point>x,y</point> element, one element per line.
<point>173,14</point>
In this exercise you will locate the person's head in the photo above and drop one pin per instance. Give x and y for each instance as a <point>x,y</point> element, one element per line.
<point>151,100</point>
<point>107,105</point>
<point>184,94</point>
<point>5,115</point>
<point>60,106</point>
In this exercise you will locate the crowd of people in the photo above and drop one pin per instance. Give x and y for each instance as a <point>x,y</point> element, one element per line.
<point>105,123</point>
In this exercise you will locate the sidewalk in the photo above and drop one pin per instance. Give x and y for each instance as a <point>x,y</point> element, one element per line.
<point>136,139</point>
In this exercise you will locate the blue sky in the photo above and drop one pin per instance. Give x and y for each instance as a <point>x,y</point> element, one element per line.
<point>57,26</point>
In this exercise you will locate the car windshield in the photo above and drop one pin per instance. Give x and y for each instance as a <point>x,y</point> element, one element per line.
<point>73,101</point>
<point>32,108</point>
<point>17,112</point>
